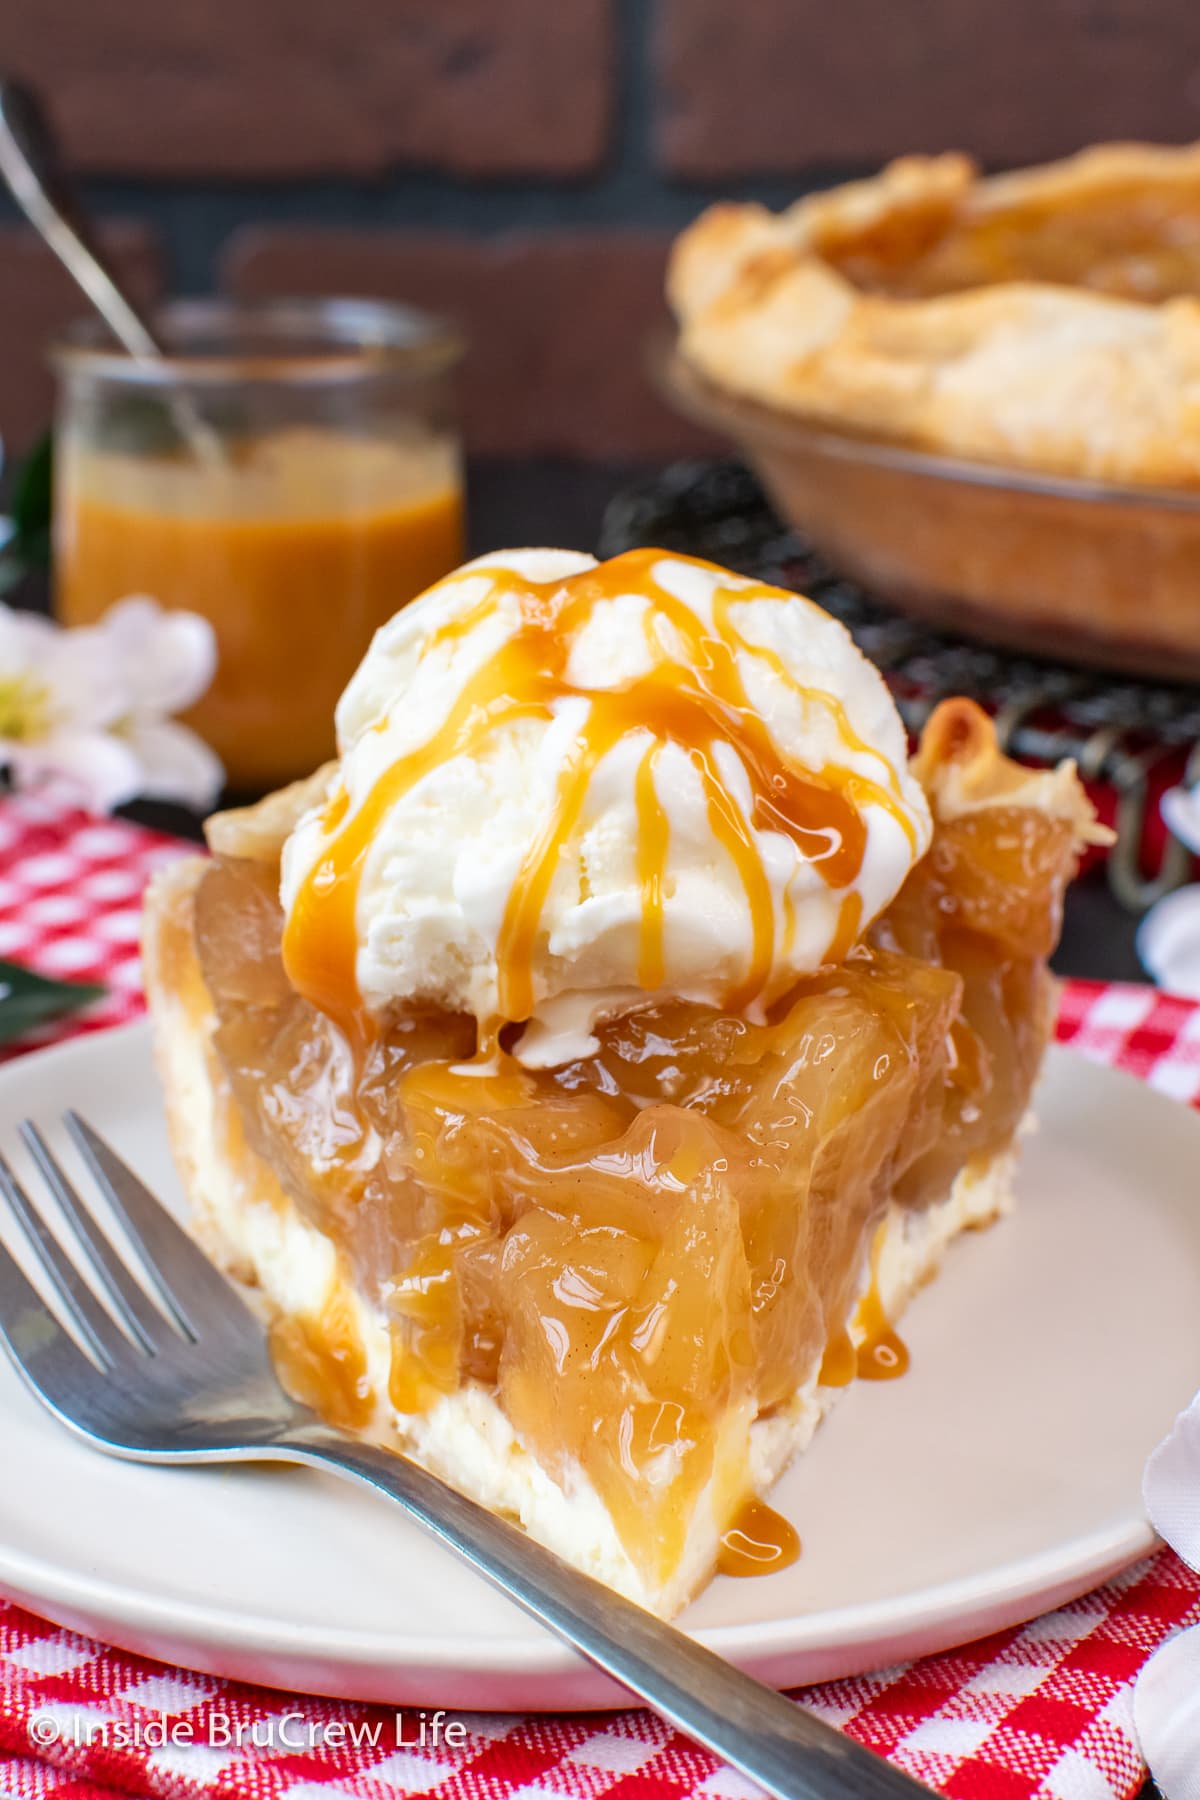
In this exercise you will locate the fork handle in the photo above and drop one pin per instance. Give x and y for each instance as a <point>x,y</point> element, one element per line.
<point>786,1750</point>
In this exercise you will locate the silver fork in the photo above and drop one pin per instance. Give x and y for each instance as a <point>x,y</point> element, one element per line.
<point>187,1378</point>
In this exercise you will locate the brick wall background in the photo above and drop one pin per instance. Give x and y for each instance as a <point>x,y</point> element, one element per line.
<point>524,163</point>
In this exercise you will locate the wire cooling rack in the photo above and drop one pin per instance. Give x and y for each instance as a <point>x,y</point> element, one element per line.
<point>1132,736</point>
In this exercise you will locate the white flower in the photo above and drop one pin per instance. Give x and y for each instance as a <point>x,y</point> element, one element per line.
<point>1166,1702</point>
<point>86,712</point>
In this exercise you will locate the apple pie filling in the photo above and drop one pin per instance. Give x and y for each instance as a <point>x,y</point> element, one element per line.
<point>643,1250</point>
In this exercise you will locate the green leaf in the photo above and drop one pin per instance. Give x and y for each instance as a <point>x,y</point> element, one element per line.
<point>31,504</point>
<point>12,572</point>
<point>27,999</point>
<point>26,543</point>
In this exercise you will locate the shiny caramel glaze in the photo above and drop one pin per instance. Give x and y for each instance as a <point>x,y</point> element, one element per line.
<point>760,1541</point>
<point>880,1355</point>
<point>322,1362</point>
<point>642,1251</point>
<point>693,695</point>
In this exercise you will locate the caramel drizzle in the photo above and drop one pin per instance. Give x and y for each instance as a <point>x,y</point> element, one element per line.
<point>653,843</point>
<point>880,1354</point>
<point>693,696</point>
<point>759,1541</point>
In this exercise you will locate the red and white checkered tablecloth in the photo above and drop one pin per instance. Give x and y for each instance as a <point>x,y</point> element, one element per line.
<point>70,906</point>
<point>1041,1712</point>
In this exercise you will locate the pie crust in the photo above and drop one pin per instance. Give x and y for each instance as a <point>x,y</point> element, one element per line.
<point>1042,320</point>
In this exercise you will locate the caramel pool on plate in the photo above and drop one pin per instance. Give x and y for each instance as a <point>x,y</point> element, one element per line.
<point>296,548</point>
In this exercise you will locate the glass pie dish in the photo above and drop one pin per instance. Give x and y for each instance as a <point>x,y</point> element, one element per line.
<point>1093,572</point>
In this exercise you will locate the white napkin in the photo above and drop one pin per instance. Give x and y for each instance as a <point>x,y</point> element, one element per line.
<point>1180,808</point>
<point>1166,1701</point>
<point>1168,938</point>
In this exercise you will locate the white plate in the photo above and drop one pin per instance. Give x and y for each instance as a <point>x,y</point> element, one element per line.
<point>1001,1477</point>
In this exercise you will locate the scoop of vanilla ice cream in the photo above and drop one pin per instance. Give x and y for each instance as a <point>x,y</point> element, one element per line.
<point>441,866</point>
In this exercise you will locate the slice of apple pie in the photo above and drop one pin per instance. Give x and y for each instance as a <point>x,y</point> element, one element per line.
<point>589,1065</point>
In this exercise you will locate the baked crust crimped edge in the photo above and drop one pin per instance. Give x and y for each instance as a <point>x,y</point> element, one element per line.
<point>1023,373</point>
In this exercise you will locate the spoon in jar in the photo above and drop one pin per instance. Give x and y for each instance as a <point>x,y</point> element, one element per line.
<point>32,168</point>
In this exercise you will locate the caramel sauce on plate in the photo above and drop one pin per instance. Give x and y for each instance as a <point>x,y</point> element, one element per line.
<point>693,695</point>
<point>881,1356</point>
<point>759,1542</point>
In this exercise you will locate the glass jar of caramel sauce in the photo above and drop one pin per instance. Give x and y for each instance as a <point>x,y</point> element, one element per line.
<point>291,471</point>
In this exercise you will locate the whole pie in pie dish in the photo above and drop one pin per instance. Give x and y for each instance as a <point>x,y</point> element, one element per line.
<point>589,1065</point>
<point>1043,320</point>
